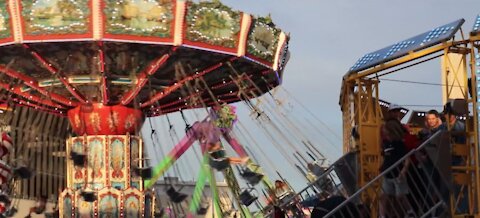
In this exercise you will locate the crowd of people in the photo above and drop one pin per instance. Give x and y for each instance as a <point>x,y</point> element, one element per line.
<point>416,183</point>
<point>411,184</point>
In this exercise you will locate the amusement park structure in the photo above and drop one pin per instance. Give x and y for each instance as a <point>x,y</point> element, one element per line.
<point>107,65</point>
<point>441,170</point>
<point>79,78</point>
<point>362,110</point>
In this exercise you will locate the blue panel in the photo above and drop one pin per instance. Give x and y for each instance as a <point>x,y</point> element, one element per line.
<point>476,26</point>
<point>477,69</point>
<point>416,43</point>
<point>477,72</point>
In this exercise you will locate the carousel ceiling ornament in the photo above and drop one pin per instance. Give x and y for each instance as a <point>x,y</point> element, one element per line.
<point>71,53</point>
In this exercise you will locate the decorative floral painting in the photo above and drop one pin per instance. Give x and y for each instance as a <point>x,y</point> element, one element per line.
<point>132,206</point>
<point>117,158</point>
<point>130,121</point>
<point>4,20</point>
<point>213,23</point>
<point>56,16</point>
<point>135,185</point>
<point>78,173</point>
<point>134,155</point>
<point>84,209</point>
<point>109,206</point>
<point>67,206</point>
<point>139,17</point>
<point>263,39</point>
<point>96,157</point>
<point>79,124</point>
<point>94,119</point>
<point>113,120</point>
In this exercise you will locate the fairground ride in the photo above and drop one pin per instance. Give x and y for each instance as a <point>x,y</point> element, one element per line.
<point>362,109</point>
<point>108,65</point>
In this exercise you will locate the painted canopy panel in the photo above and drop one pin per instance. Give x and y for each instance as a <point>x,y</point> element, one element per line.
<point>50,19</point>
<point>263,40</point>
<point>213,25</point>
<point>5,23</point>
<point>139,19</point>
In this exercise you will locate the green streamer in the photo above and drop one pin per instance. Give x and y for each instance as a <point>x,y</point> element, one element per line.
<point>199,186</point>
<point>213,187</point>
<point>158,171</point>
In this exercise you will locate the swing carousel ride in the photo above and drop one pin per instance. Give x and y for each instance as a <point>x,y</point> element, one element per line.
<point>107,65</point>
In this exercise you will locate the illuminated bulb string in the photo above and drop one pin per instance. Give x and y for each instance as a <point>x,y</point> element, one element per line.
<point>476,26</point>
<point>78,10</point>
<point>3,27</point>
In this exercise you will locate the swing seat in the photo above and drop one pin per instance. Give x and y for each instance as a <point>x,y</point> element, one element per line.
<point>40,210</point>
<point>144,172</point>
<point>218,160</point>
<point>218,154</point>
<point>5,199</point>
<point>251,177</point>
<point>203,209</point>
<point>49,215</point>
<point>175,196</point>
<point>219,164</point>
<point>159,214</point>
<point>22,172</point>
<point>78,159</point>
<point>6,172</point>
<point>247,198</point>
<point>11,212</point>
<point>88,196</point>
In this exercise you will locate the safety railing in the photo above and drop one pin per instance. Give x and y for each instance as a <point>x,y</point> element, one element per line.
<point>338,179</point>
<point>420,191</point>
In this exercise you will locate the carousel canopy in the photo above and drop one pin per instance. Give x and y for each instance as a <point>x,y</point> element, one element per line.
<point>160,56</point>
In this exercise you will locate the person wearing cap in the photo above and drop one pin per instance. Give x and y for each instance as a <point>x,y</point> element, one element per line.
<point>454,125</point>
<point>395,112</point>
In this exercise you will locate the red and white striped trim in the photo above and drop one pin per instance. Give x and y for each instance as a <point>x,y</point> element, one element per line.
<point>6,146</point>
<point>5,172</point>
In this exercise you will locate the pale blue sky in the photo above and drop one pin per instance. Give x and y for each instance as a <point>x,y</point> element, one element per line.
<point>327,38</point>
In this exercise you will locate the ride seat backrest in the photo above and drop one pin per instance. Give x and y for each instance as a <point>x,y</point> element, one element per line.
<point>174,195</point>
<point>203,209</point>
<point>247,198</point>
<point>218,160</point>
<point>346,170</point>
<point>89,196</point>
<point>23,172</point>
<point>144,172</point>
<point>219,164</point>
<point>217,154</point>
<point>252,177</point>
<point>5,199</point>
<point>78,159</point>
